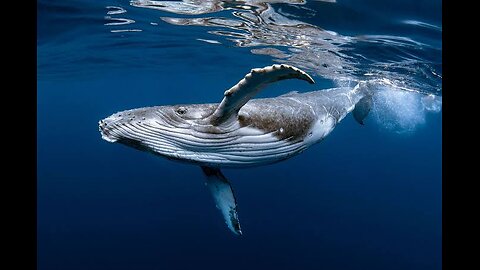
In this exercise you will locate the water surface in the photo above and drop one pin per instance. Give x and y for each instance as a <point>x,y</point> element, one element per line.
<point>368,197</point>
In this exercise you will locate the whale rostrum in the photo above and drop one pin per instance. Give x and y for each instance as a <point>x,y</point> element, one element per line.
<point>239,131</point>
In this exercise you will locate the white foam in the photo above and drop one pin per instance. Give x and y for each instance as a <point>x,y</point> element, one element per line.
<point>209,41</point>
<point>398,111</point>
<point>432,103</point>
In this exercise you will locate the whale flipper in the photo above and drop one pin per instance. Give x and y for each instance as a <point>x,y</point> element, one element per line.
<point>224,198</point>
<point>362,108</point>
<point>258,78</point>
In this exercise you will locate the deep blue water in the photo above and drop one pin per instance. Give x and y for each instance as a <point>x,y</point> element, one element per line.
<point>367,197</point>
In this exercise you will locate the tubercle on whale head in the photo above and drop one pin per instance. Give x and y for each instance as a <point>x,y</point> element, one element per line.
<point>171,116</point>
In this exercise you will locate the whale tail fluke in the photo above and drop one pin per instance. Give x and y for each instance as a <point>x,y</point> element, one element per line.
<point>362,108</point>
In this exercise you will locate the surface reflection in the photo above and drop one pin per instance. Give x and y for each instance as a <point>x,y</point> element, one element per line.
<point>283,36</point>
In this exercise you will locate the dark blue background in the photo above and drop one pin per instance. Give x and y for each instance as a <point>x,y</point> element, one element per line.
<point>365,198</point>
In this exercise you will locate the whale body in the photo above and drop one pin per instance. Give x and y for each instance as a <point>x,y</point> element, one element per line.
<point>239,131</point>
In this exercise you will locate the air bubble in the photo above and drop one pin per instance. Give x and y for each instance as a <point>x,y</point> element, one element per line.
<point>398,111</point>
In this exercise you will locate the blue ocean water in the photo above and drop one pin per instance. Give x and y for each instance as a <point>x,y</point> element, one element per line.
<point>367,197</point>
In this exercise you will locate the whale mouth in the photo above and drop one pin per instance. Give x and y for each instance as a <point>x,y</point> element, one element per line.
<point>105,126</point>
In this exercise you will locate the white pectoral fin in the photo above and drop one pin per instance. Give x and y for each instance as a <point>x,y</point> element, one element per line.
<point>224,198</point>
<point>258,78</point>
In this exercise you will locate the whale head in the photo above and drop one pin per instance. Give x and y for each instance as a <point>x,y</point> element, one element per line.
<point>175,132</point>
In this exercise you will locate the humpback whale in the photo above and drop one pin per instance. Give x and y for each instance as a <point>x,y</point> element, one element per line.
<point>239,131</point>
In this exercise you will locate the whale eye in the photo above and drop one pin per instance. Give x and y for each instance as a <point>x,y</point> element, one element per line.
<point>181,110</point>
